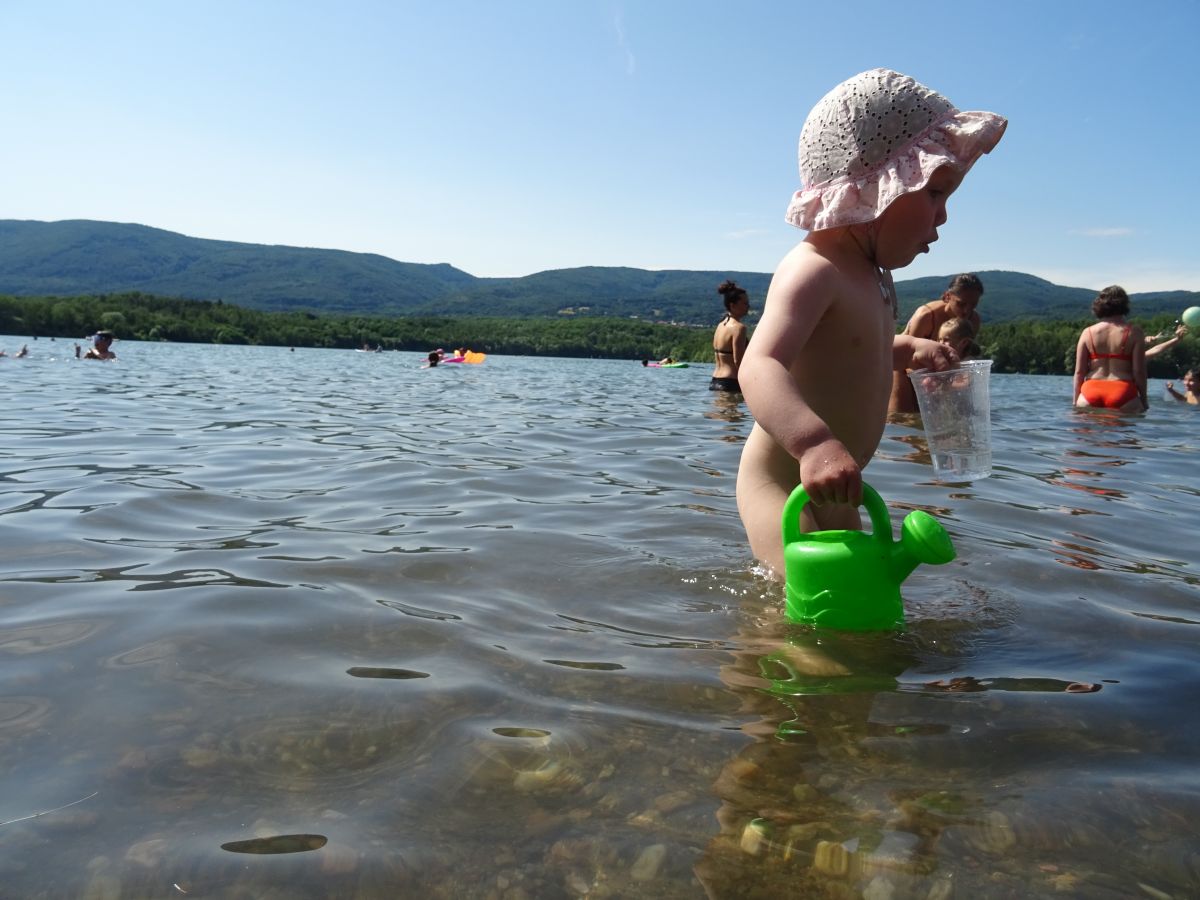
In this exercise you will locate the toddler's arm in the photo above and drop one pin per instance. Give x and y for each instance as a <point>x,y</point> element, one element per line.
<point>801,292</point>
<point>910,352</point>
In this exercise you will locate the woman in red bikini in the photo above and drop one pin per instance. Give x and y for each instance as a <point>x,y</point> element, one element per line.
<point>1110,358</point>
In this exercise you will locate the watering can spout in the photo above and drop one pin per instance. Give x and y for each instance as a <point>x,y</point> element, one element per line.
<point>922,540</point>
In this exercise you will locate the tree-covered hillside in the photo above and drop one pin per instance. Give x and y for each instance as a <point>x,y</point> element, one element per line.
<point>144,317</point>
<point>1030,346</point>
<point>667,295</point>
<point>77,258</point>
<point>82,257</point>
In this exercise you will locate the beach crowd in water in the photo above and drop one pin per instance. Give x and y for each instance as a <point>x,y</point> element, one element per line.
<point>101,348</point>
<point>880,156</point>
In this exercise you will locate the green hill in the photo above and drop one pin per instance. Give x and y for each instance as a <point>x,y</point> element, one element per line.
<point>80,257</point>
<point>669,295</point>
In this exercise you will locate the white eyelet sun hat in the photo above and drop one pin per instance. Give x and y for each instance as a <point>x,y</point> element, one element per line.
<point>875,137</point>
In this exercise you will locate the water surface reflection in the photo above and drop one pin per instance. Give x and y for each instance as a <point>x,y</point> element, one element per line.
<point>324,624</point>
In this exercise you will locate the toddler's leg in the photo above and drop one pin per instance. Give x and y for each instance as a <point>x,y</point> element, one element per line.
<point>766,477</point>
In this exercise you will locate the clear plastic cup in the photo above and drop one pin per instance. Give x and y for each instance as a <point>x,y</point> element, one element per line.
<point>956,411</point>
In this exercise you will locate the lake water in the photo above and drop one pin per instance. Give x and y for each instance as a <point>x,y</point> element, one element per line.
<point>322,624</point>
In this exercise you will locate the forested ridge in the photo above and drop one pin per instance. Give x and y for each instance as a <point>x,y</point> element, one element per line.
<point>85,258</point>
<point>1033,347</point>
<point>144,317</point>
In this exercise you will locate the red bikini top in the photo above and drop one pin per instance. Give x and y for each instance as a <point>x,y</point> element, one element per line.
<point>1092,354</point>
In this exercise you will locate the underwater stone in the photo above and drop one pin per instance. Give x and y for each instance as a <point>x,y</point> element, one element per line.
<point>648,863</point>
<point>994,834</point>
<point>879,889</point>
<point>834,859</point>
<point>148,853</point>
<point>754,837</point>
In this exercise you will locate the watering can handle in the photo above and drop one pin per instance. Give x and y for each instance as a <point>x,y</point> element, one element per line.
<point>881,523</point>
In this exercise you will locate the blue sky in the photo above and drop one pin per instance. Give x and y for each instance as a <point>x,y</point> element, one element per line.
<point>511,136</point>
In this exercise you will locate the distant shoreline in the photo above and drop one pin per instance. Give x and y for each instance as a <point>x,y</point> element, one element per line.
<point>76,258</point>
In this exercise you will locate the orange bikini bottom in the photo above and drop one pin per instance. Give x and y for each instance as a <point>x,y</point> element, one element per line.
<point>1109,394</point>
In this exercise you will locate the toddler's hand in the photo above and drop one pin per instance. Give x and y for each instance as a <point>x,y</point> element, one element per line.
<point>830,474</point>
<point>1170,385</point>
<point>933,355</point>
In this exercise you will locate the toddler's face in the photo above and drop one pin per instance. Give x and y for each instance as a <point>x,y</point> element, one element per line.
<point>910,224</point>
<point>960,346</point>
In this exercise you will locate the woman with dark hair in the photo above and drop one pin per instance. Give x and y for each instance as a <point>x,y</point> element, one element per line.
<point>1110,358</point>
<point>959,301</point>
<point>730,339</point>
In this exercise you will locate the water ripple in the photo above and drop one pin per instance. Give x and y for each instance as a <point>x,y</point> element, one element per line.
<point>383,631</point>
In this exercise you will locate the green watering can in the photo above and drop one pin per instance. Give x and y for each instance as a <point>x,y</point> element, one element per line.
<point>850,580</point>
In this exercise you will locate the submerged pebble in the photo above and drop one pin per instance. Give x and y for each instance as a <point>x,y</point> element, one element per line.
<point>648,863</point>
<point>754,837</point>
<point>833,859</point>
<point>994,834</point>
<point>149,853</point>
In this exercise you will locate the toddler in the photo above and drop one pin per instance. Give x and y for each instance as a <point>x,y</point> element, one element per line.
<point>879,156</point>
<point>1191,388</point>
<point>959,335</point>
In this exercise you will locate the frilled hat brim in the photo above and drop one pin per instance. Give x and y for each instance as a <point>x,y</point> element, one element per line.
<point>957,140</point>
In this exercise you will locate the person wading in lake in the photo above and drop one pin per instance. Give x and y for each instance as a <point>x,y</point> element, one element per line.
<point>101,342</point>
<point>957,302</point>
<point>1110,357</point>
<point>880,155</point>
<point>730,339</point>
<point>1191,387</point>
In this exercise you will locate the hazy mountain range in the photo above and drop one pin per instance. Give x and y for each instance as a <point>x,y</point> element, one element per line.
<point>77,257</point>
